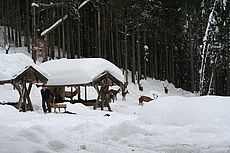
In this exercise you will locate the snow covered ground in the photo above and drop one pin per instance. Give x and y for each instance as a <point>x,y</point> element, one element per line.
<point>177,122</point>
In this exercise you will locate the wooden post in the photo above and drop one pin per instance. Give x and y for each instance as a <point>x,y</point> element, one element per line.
<point>27,94</point>
<point>79,94</point>
<point>85,93</point>
<point>101,99</point>
<point>71,97</point>
<point>104,101</point>
<point>21,99</point>
<point>98,97</point>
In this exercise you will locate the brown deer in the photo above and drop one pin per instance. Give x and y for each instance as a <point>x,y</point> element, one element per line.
<point>109,96</point>
<point>113,93</point>
<point>143,99</point>
<point>124,90</point>
<point>69,94</point>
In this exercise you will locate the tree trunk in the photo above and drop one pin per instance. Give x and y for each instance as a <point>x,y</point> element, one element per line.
<point>166,56</point>
<point>78,38</point>
<point>138,54</point>
<point>68,27</point>
<point>118,52</point>
<point>59,36</point>
<point>19,25</point>
<point>63,31</point>
<point>104,33</point>
<point>228,60</point>
<point>111,34</point>
<point>133,57</point>
<point>146,54</point>
<point>155,56</point>
<point>205,52</point>
<point>34,52</point>
<point>126,54</point>
<point>99,32</point>
<point>27,28</point>
<point>192,82</point>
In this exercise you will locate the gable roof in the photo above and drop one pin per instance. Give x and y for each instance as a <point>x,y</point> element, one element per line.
<point>14,67</point>
<point>30,74</point>
<point>80,71</point>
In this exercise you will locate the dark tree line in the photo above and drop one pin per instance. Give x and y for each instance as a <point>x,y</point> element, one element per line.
<point>185,42</point>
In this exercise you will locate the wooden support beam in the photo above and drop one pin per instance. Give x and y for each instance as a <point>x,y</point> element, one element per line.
<point>97,102</point>
<point>27,97</point>
<point>71,89</point>
<point>85,93</point>
<point>102,100</point>
<point>79,94</point>
<point>21,99</point>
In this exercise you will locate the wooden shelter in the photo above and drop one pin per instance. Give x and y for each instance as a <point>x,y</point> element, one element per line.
<point>21,77</point>
<point>96,72</point>
<point>104,81</point>
<point>23,83</point>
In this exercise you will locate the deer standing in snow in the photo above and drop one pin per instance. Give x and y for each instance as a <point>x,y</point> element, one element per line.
<point>69,94</point>
<point>143,99</point>
<point>124,90</point>
<point>166,88</point>
<point>113,93</point>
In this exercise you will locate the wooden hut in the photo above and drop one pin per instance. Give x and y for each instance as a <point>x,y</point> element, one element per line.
<point>20,71</point>
<point>96,72</point>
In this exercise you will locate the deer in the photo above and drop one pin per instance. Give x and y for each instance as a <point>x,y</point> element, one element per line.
<point>166,88</point>
<point>124,91</point>
<point>69,94</point>
<point>113,93</point>
<point>143,99</point>
<point>109,96</point>
<point>140,87</point>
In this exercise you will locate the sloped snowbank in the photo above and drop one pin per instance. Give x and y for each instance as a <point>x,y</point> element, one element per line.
<point>182,111</point>
<point>176,124</point>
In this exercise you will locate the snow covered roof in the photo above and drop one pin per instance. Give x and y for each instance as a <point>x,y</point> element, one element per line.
<point>79,71</point>
<point>13,65</point>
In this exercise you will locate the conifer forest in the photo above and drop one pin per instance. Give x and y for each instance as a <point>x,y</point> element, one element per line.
<point>186,42</point>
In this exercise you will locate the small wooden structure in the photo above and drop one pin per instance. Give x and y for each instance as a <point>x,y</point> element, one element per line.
<point>101,84</point>
<point>22,79</point>
<point>23,83</point>
<point>94,72</point>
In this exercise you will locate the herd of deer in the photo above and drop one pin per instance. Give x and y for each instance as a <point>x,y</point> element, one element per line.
<point>143,99</point>
<point>111,94</point>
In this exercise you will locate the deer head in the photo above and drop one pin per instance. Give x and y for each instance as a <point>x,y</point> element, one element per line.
<point>166,88</point>
<point>140,87</point>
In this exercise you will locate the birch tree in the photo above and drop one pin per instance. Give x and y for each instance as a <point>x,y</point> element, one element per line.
<point>215,50</point>
<point>206,48</point>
